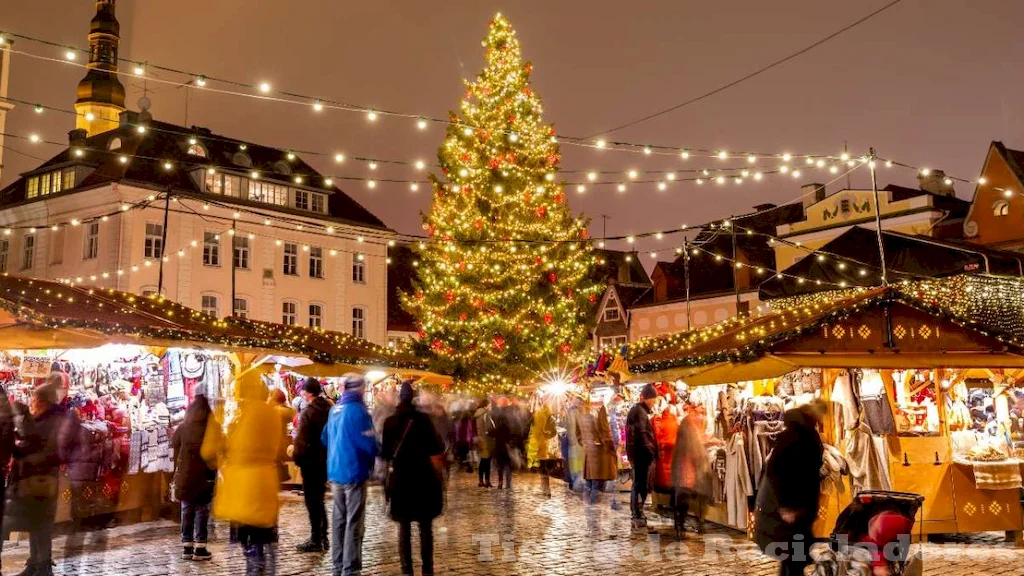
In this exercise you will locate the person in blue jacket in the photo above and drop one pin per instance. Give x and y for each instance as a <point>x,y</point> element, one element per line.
<point>351,449</point>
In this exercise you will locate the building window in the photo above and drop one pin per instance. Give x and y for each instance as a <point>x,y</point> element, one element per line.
<point>241,252</point>
<point>291,259</point>
<point>302,200</point>
<point>318,203</point>
<point>316,316</point>
<point>1001,208</point>
<point>55,182</point>
<point>44,184</point>
<point>211,249</point>
<point>115,144</point>
<point>241,309</point>
<point>289,314</point>
<point>5,248</point>
<point>69,179</point>
<point>359,322</point>
<point>358,269</point>
<point>210,305</point>
<point>154,247</point>
<point>92,241</point>
<point>214,183</point>
<point>32,187</point>
<point>28,252</point>
<point>612,342</point>
<point>267,192</point>
<point>316,262</point>
<point>611,313</point>
<point>197,150</point>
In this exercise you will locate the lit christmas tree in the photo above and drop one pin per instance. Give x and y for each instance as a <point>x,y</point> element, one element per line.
<point>504,287</point>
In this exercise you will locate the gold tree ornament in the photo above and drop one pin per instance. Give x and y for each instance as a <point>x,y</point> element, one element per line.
<point>505,287</point>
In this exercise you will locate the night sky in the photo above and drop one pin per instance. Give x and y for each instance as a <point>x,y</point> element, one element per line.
<point>927,82</point>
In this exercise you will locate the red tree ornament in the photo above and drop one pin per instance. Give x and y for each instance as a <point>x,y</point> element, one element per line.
<point>542,211</point>
<point>449,296</point>
<point>493,163</point>
<point>559,197</point>
<point>437,345</point>
<point>499,343</point>
<point>548,318</point>
<point>592,298</point>
<point>463,317</point>
<point>566,348</point>
<point>553,277</point>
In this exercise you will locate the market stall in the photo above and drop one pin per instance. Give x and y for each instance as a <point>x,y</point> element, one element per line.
<point>129,367</point>
<point>922,395</point>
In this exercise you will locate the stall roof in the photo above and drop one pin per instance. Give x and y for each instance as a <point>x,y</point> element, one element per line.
<point>45,314</point>
<point>331,347</point>
<point>908,257</point>
<point>882,327</point>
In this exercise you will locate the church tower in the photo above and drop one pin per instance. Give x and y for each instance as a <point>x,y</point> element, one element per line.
<point>100,94</point>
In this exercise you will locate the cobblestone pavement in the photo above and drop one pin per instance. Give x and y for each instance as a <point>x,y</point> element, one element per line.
<point>488,532</point>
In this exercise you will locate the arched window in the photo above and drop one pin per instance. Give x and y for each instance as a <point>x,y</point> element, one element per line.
<point>1001,208</point>
<point>241,159</point>
<point>114,144</point>
<point>197,150</point>
<point>282,167</point>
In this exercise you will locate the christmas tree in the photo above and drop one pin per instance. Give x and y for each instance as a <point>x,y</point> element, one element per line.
<point>504,287</point>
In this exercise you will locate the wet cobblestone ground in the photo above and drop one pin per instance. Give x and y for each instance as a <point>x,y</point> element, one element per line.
<point>487,532</point>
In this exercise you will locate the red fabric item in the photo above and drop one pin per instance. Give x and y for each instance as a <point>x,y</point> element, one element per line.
<point>666,428</point>
<point>883,529</point>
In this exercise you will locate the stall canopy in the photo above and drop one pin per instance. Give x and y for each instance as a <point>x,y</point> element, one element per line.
<point>907,257</point>
<point>331,348</point>
<point>913,325</point>
<point>43,314</point>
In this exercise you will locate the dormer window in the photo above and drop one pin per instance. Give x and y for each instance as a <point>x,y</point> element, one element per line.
<point>282,167</point>
<point>114,144</point>
<point>241,159</point>
<point>197,150</point>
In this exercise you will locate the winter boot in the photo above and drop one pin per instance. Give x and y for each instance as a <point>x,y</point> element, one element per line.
<point>30,570</point>
<point>310,546</point>
<point>187,551</point>
<point>201,554</point>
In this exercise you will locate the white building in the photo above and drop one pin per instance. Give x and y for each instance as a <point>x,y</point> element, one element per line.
<point>214,223</point>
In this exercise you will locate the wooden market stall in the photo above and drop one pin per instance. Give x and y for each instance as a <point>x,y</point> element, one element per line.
<point>925,347</point>
<point>130,361</point>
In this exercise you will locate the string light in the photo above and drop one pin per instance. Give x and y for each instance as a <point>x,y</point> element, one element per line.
<point>265,87</point>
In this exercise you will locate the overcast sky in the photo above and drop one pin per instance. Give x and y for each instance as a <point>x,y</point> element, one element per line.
<point>927,82</point>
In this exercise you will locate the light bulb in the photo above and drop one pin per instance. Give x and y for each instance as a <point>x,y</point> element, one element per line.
<point>820,163</point>
<point>291,156</point>
<point>580,188</point>
<point>632,174</point>
<point>758,175</point>
<point>414,186</point>
<point>809,161</point>
<point>70,55</point>
<point>168,165</point>
<point>200,81</point>
<point>123,159</point>
<point>602,143</point>
<point>498,188</point>
<point>662,186</point>
<point>264,87</point>
<point>550,176</point>
<point>685,155</point>
<point>513,137</point>
<point>796,173</point>
<point>79,152</point>
<point>318,106</point>
<point>371,116</point>
<point>720,180</point>
<point>592,176</point>
<point>784,169</point>
<point>833,169</point>
<point>339,158</point>
<point>982,181</point>
<point>647,150</point>
<point>254,175</point>
<point>211,170</point>
<point>925,172</point>
<point>670,176</point>
<point>700,181</point>
<point>34,138</point>
<point>723,155</point>
<point>139,70</point>
<point>140,129</point>
<point>371,184</point>
<point>89,116</point>
<point>844,156</point>
<point>787,157</point>
<point>298,179</point>
<point>421,124</point>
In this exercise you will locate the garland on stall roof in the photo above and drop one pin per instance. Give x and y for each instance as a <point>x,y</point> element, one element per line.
<point>757,349</point>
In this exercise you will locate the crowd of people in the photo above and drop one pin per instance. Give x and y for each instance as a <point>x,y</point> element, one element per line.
<point>230,466</point>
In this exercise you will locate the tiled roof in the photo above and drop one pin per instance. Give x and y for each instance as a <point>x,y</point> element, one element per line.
<point>168,142</point>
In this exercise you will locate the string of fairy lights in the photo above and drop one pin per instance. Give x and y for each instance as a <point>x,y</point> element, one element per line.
<point>586,178</point>
<point>264,91</point>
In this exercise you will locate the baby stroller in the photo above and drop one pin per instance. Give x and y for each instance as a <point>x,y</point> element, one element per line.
<point>871,537</point>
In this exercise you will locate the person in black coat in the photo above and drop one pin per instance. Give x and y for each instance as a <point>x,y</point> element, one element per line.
<point>310,455</point>
<point>7,437</point>
<point>641,449</point>
<point>787,501</point>
<point>415,455</point>
<point>193,480</point>
<point>34,483</point>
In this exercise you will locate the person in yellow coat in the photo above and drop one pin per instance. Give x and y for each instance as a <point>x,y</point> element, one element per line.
<point>538,451</point>
<point>247,457</point>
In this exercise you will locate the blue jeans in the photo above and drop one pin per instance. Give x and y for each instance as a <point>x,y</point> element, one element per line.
<point>348,526</point>
<point>195,521</point>
<point>593,487</point>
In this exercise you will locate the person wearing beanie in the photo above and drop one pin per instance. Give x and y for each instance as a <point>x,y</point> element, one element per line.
<point>351,449</point>
<point>641,449</point>
<point>310,456</point>
<point>414,488</point>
